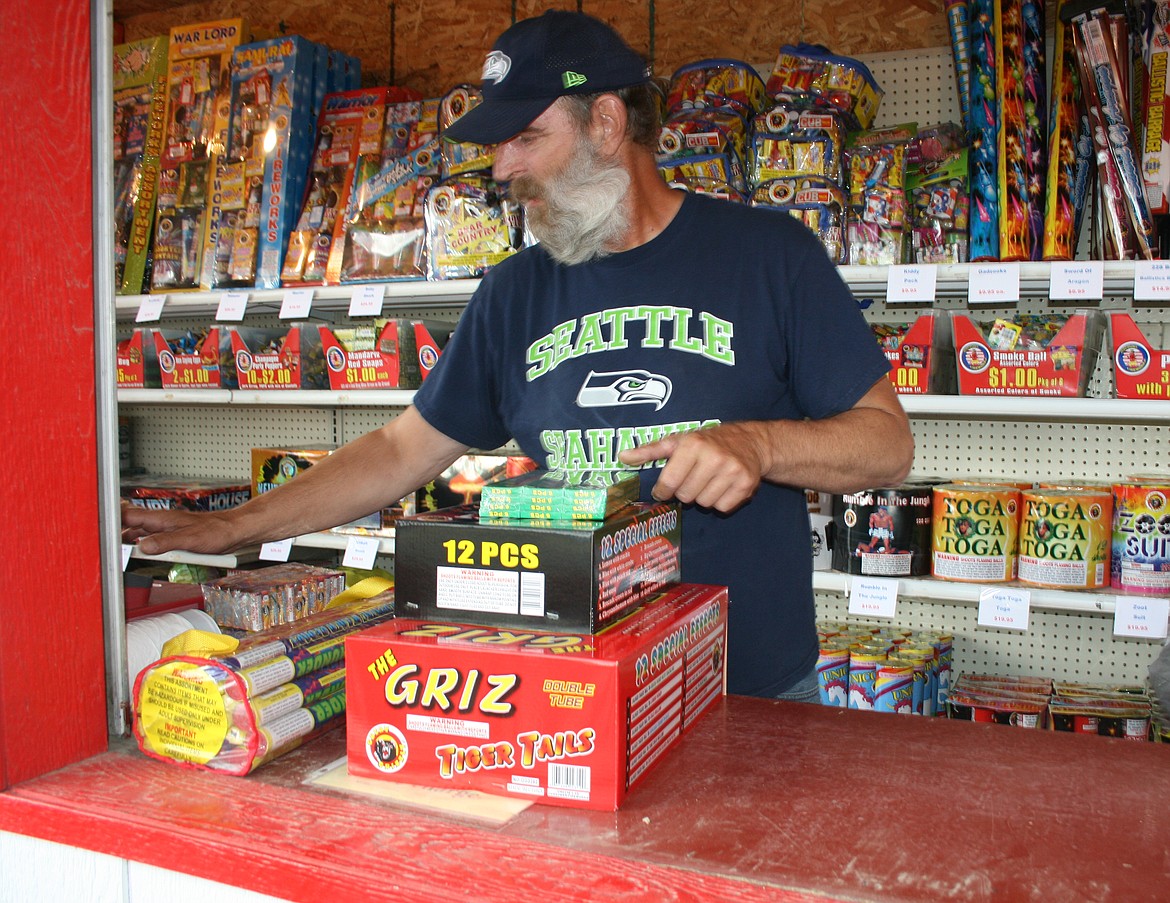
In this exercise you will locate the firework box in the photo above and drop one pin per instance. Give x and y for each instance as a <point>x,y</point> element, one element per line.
<point>277,359</point>
<point>534,574</point>
<point>1139,369</point>
<point>137,369</point>
<point>167,492</point>
<point>196,121</point>
<point>273,466</point>
<point>1061,368</point>
<point>140,80</point>
<point>194,359</point>
<point>916,352</point>
<point>569,719</point>
<point>1156,128</point>
<point>551,496</point>
<point>387,354</point>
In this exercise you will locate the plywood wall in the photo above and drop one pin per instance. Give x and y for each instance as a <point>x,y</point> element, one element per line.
<point>434,45</point>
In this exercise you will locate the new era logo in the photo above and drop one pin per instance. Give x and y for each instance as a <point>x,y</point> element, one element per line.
<point>571,79</point>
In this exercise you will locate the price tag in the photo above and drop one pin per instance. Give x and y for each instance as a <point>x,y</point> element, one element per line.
<point>127,550</point>
<point>1077,280</point>
<point>911,282</point>
<point>1141,617</point>
<point>1151,280</point>
<point>366,301</point>
<point>994,283</point>
<point>232,306</point>
<point>1006,608</point>
<point>873,597</point>
<point>296,304</point>
<point>276,551</point>
<point>360,552</point>
<point>151,308</point>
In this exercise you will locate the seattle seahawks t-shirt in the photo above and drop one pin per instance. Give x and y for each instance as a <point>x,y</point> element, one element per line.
<point>731,313</point>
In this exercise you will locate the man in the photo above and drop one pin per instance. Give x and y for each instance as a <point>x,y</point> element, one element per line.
<point>713,345</point>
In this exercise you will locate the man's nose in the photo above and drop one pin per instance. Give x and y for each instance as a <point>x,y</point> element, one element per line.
<point>506,165</point>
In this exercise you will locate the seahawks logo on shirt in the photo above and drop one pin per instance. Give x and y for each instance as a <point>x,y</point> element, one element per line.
<point>623,387</point>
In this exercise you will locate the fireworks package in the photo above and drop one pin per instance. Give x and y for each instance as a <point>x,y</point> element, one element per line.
<point>809,75</point>
<point>565,718</point>
<point>470,227</point>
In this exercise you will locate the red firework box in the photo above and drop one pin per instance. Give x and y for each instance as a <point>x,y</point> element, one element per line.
<point>534,574</point>
<point>915,351</point>
<point>1046,355</point>
<point>136,368</point>
<point>275,359</point>
<point>1139,369</point>
<point>569,719</point>
<point>387,354</point>
<point>194,358</point>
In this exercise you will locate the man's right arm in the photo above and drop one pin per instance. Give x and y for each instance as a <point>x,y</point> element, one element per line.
<point>362,476</point>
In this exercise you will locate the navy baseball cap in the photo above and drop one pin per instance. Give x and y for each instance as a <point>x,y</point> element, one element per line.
<point>538,60</point>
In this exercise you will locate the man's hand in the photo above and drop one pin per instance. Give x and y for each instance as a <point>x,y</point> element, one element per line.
<point>158,531</point>
<point>718,468</point>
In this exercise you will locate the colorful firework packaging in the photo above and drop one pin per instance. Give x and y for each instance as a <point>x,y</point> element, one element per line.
<point>271,596</point>
<point>878,214</point>
<point>194,359</point>
<point>984,110</point>
<point>1064,538</point>
<point>385,354</point>
<point>552,496</point>
<point>959,27</point>
<point>720,84</point>
<point>811,76</point>
<point>888,668</point>
<point>137,361</point>
<point>278,359</point>
<point>939,209</point>
<point>817,202</point>
<point>459,157</point>
<point>883,532</point>
<point>1141,536</point>
<point>470,227</point>
<point>914,351</point>
<point>1141,369</point>
<point>975,529</point>
<point>565,718</point>
<point>789,141</point>
<point>1156,128</point>
<point>152,491</point>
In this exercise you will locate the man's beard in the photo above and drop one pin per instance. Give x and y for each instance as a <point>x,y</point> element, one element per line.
<point>582,209</point>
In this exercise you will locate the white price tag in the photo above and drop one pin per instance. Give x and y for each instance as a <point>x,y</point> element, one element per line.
<point>366,301</point>
<point>296,304</point>
<point>360,552</point>
<point>232,306</point>
<point>911,282</point>
<point>127,551</point>
<point>276,551</point>
<point>1141,617</point>
<point>1151,280</point>
<point>994,283</point>
<point>151,308</point>
<point>873,597</point>
<point>1077,280</point>
<point>1005,608</point>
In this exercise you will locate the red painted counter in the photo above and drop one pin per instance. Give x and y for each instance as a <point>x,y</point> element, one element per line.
<point>762,801</point>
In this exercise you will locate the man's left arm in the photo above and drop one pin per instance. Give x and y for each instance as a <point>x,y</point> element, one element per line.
<point>868,446</point>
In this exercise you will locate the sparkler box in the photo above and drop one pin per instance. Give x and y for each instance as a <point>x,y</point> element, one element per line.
<point>569,719</point>
<point>987,366</point>
<point>534,574</point>
<point>1139,369</point>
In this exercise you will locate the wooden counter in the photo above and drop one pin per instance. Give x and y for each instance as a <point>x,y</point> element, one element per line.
<point>761,801</point>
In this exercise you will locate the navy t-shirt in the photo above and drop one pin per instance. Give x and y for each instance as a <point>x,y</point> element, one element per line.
<point>731,313</point>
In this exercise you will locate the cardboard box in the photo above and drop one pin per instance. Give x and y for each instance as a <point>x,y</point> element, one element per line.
<point>534,575</point>
<point>194,359</point>
<point>278,359</point>
<point>387,354</point>
<point>188,494</point>
<point>918,354</point>
<point>1060,368</point>
<point>140,100</point>
<point>273,466</point>
<point>137,362</point>
<point>1140,369</point>
<point>562,718</point>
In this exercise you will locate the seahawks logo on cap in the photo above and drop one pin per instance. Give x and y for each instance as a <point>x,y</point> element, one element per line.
<point>622,387</point>
<point>496,67</point>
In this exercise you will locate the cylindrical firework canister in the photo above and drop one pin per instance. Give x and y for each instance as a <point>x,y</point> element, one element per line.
<point>1140,561</point>
<point>862,674</point>
<point>922,660</point>
<point>1065,538</point>
<point>883,532</point>
<point>975,528</point>
<point>893,687</point>
<point>833,675</point>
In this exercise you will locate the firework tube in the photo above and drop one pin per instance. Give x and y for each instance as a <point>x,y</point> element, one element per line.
<point>959,26</point>
<point>1011,138</point>
<point>271,674</point>
<point>1063,204</point>
<point>1035,124</point>
<point>303,691</point>
<point>293,730</point>
<point>984,117</point>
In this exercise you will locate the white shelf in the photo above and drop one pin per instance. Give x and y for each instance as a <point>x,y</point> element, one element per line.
<point>1073,601</point>
<point>1009,407</point>
<point>325,540</point>
<point>277,398</point>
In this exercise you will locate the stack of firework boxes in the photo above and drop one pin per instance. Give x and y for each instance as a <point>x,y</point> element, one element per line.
<point>539,654</point>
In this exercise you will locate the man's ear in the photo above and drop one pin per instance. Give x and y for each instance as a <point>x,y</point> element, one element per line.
<point>608,122</point>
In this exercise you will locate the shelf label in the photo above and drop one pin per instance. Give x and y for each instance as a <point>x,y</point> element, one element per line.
<point>366,301</point>
<point>1151,280</point>
<point>994,283</point>
<point>360,552</point>
<point>276,551</point>
<point>1145,617</point>
<point>296,304</point>
<point>911,282</point>
<point>873,597</point>
<point>127,551</point>
<point>232,306</point>
<point>151,308</point>
<point>1076,280</point>
<point>1005,608</point>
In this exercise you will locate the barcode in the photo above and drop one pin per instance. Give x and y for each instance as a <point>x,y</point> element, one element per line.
<point>568,777</point>
<point>532,595</point>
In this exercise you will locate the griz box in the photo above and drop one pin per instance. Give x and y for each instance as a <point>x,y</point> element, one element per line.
<point>534,575</point>
<point>1141,368</point>
<point>565,718</point>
